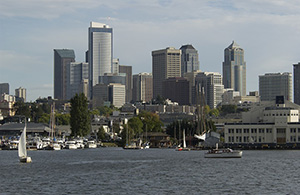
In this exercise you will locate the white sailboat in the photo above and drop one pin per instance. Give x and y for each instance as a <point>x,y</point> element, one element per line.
<point>22,148</point>
<point>184,148</point>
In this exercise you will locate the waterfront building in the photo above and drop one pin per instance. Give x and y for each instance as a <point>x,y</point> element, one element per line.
<point>128,71</point>
<point>234,68</point>
<point>275,84</point>
<point>166,63</point>
<point>76,73</point>
<point>115,66</point>
<point>100,54</point>
<point>176,89</point>
<point>189,59</point>
<point>269,124</point>
<point>4,88</point>
<point>116,94</point>
<point>296,68</point>
<point>20,94</point>
<point>210,85</point>
<point>142,90</point>
<point>62,58</point>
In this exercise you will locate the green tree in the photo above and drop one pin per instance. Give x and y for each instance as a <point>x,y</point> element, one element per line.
<point>214,112</point>
<point>62,119</point>
<point>136,125</point>
<point>22,109</point>
<point>80,116</point>
<point>152,121</point>
<point>101,133</point>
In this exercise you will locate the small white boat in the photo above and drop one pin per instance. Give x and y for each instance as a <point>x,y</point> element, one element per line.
<point>22,151</point>
<point>91,144</point>
<point>223,153</point>
<point>184,148</point>
<point>71,145</point>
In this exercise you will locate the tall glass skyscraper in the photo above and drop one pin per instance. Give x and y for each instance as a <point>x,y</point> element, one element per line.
<point>189,59</point>
<point>100,55</point>
<point>234,68</point>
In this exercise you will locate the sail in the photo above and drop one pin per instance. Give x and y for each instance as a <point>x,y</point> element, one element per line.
<point>184,143</point>
<point>22,144</point>
<point>201,137</point>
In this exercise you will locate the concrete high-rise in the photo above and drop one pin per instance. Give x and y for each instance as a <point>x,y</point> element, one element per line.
<point>116,94</point>
<point>189,59</point>
<point>62,58</point>
<point>166,63</point>
<point>142,90</point>
<point>20,94</point>
<point>128,71</point>
<point>275,84</point>
<point>234,68</point>
<point>210,84</point>
<point>100,54</point>
<point>297,83</point>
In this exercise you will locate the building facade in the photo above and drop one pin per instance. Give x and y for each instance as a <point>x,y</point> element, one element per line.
<point>176,89</point>
<point>100,54</point>
<point>189,59</point>
<point>20,94</point>
<point>100,95</point>
<point>116,94</point>
<point>275,84</point>
<point>234,68</point>
<point>142,90</point>
<point>166,63</point>
<point>296,68</point>
<point>210,85</point>
<point>273,125</point>
<point>4,88</point>
<point>128,71</point>
<point>76,74</point>
<point>62,59</point>
<point>115,66</point>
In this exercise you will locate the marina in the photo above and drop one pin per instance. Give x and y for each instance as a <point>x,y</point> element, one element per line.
<point>152,171</point>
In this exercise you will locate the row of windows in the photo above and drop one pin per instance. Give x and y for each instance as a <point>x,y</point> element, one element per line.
<point>260,130</point>
<point>246,139</point>
<point>280,114</point>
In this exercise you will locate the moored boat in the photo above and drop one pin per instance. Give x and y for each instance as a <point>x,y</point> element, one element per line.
<point>223,153</point>
<point>22,150</point>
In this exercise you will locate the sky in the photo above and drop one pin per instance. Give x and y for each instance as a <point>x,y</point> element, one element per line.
<point>267,30</point>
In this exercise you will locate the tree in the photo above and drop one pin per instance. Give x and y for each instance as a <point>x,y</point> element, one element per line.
<point>136,125</point>
<point>152,121</point>
<point>101,133</point>
<point>80,117</point>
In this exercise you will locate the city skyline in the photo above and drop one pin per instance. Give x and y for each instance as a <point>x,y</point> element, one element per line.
<point>266,30</point>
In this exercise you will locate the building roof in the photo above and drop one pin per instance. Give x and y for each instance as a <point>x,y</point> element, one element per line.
<point>233,45</point>
<point>187,47</point>
<point>31,127</point>
<point>65,53</point>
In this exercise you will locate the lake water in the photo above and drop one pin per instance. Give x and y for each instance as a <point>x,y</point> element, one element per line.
<point>152,171</point>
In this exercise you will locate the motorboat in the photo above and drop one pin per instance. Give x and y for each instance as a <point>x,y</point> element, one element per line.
<point>91,144</point>
<point>71,145</point>
<point>223,153</point>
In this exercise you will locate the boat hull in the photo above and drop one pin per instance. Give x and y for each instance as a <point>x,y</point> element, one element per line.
<point>234,154</point>
<point>25,159</point>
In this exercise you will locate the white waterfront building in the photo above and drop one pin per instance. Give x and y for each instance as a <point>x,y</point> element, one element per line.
<point>268,124</point>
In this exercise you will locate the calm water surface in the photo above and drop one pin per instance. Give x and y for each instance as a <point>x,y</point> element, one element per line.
<point>152,171</point>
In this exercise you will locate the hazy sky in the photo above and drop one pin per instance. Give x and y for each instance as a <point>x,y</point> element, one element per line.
<point>267,30</point>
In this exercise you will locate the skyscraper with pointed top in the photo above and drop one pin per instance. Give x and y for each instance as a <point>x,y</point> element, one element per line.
<point>234,68</point>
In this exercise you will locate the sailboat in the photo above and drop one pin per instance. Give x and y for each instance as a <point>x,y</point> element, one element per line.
<point>22,148</point>
<point>184,148</point>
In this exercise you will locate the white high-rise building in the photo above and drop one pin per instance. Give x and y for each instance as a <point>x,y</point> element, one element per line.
<point>100,55</point>
<point>20,93</point>
<point>116,94</point>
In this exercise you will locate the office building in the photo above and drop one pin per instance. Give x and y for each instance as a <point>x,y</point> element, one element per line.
<point>20,94</point>
<point>296,68</point>
<point>166,63</point>
<point>4,88</point>
<point>115,66</point>
<point>116,94</point>
<point>176,89</point>
<point>210,86</point>
<point>275,84</point>
<point>142,90</point>
<point>128,71</point>
<point>108,78</point>
<point>191,77</point>
<point>100,54</point>
<point>62,59</point>
<point>100,95</point>
<point>234,69</point>
<point>76,74</point>
<point>189,59</point>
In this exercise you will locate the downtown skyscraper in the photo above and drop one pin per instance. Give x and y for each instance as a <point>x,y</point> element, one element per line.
<point>234,68</point>
<point>189,59</point>
<point>100,53</point>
